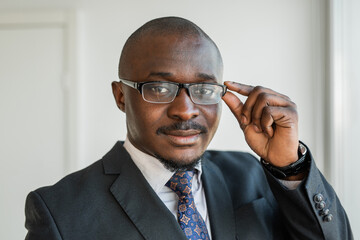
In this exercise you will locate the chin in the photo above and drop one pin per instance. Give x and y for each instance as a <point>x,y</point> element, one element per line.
<point>182,163</point>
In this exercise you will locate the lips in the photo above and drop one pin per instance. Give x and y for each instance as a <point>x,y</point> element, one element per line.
<point>183,137</point>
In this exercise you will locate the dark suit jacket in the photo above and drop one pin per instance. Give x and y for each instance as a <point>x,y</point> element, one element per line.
<point>112,200</point>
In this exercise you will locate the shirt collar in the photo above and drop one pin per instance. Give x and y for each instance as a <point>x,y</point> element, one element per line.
<point>152,169</point>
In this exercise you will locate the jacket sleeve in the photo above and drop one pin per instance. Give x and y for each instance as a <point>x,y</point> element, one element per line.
<point>304,217</point>
<point>39,222</point>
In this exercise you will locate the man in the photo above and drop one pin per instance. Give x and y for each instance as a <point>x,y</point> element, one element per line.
<point>163,184</point>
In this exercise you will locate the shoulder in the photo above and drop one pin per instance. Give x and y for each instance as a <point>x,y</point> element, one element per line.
<point>75,184</point>
<point>94,177</point>
<point>80,192</point>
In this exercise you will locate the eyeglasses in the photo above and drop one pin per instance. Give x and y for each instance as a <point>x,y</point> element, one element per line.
<point>165,92</point>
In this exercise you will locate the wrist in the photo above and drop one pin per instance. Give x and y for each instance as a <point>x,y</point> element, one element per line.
<point>294,171</point>
<point>284,155</point>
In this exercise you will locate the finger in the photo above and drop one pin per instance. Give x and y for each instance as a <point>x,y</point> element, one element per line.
<point>267,121</point>
<point>240,88</point>
<point>278,117</point>
<point>235,105</point>
<point>251,100</point>
<point>245,90</point>
<point>267,99</point>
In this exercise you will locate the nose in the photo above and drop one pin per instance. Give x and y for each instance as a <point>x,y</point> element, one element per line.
<point>183,108</point>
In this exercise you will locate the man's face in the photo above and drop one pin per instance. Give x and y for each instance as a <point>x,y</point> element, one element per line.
<point>180,131</point>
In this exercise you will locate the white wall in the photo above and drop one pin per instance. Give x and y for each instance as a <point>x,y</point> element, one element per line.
<point>32,129</point>
<point>344,104</point>
<point>350,114</point>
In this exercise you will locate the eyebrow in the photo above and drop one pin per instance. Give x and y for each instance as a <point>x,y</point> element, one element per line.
<point>161,74</point>
<point>206,76</point>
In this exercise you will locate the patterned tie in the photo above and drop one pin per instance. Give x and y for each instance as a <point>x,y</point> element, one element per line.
<point>189,218</point>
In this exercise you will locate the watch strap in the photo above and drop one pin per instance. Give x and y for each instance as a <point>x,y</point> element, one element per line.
<point>295,168</point>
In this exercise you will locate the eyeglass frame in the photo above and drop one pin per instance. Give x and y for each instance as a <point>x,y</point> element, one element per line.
<point>138,86</point>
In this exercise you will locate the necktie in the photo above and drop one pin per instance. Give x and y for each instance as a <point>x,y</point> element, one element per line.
<point>189,218</point>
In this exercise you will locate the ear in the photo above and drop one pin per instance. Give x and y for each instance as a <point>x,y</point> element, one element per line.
<point>118,95</point>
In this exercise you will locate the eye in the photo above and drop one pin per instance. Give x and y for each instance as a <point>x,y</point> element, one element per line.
<point>204,91</point>
<point>159,90</point>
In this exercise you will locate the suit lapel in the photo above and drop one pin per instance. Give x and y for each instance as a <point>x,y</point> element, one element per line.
<point>138,199</point>
<point>219,203</point>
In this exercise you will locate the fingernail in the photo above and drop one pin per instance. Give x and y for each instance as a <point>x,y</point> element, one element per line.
<point>256,128</point>
<point>243,119</point>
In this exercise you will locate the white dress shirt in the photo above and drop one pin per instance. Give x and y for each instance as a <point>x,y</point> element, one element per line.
<point>157,176</point>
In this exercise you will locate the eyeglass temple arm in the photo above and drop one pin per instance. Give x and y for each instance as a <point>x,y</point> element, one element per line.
<point>129,83</point>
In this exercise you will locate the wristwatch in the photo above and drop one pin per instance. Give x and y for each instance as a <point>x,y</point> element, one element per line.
<point>295,168</point>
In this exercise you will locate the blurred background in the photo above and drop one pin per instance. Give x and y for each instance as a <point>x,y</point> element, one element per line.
<point>58,59</point>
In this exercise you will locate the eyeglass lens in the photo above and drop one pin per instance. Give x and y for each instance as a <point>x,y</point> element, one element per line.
<point>201,93</point>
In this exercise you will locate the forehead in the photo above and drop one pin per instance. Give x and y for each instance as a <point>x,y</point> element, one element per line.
<point>182,57</point>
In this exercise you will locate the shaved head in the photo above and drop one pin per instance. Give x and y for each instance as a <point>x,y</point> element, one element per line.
<point>182,28</point>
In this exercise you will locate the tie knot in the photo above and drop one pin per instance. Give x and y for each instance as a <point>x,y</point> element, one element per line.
<point>181,183</point>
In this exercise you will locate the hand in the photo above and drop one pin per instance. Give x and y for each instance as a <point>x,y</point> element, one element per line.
<point>269,121</point>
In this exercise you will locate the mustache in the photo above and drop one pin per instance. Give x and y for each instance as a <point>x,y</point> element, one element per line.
<point>185,125</point>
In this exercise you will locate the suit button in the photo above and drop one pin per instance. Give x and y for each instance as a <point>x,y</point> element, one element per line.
<point>318,198</point>
<point>321,205</point>
<point>324,212</point>
<point>328,218</point>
